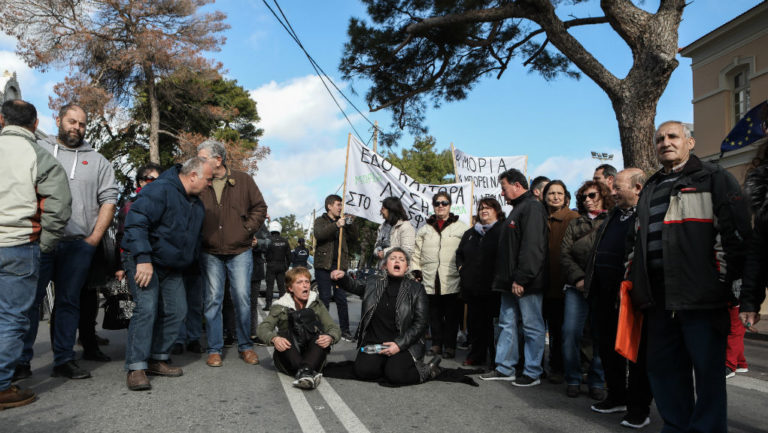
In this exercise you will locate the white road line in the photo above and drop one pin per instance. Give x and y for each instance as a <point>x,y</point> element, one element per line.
<point>348,419</point>
<point>747,382</point>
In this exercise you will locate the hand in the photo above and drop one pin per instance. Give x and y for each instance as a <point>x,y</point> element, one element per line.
<point>340,222</point>
<point>143,274</point>
<point>92,240</point>
<point>580,285</point>
<point>254,241</point>
<point>380,254</point>
<point>417,275</point>
<point>281,344</point>
<point>517,289</point>
<point>393,348</point>
<point>750,320</point>
<point>337,274</point>
<point>120,275</point>
<point>324,341</point>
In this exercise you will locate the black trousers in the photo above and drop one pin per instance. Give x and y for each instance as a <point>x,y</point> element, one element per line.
<point>481,309</point>
<point>399,369</point>
<point>290,361</point>
<point>553,310</point>
<point>89,309</point>
<point>272,277</point>
<point>444,316</point>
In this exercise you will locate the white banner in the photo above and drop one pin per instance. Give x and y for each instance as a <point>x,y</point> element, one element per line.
<point>484,173</point>
<point>371,179</point>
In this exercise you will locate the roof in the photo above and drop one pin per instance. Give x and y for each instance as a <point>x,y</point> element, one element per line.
<point>726,28</point>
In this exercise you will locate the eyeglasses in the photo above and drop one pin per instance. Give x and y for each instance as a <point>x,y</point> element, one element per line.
<point>441,203</point>
<point>591,196</point>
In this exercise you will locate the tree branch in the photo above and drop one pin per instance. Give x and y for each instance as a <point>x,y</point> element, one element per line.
<point>424,87</point>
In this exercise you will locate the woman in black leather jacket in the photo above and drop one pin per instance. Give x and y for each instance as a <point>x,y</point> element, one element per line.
<point>394,314</point>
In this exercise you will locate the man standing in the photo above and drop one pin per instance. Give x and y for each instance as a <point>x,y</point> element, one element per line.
<point>537,186</point>
<point>94,197</point>
<point>520,279</point>
<point>234,211</point>
<point>605,174</point>
<point>327,228</point>
<point>688,252</point>
<point>300,255</point>
<point>605,270</point>
<point>162,238</point>
<point>36,206</point>
<point>278,259</point>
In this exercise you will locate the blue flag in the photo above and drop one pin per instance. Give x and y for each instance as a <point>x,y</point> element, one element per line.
<point>750,128</point>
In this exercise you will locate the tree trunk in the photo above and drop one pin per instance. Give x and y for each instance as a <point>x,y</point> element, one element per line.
<point>636,129</point>
<point>154,119</point>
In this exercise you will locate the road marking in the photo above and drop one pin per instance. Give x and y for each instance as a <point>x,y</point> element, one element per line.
<point>348,419</point>
<point>749,383</point>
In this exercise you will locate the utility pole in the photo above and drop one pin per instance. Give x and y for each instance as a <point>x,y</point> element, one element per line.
<point>375,135</point>
<point>312,235</point>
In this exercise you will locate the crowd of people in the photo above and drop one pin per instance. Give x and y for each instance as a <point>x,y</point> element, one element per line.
<point>193,246</point>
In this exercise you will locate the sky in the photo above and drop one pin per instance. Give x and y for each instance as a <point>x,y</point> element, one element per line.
<point>556,123</point>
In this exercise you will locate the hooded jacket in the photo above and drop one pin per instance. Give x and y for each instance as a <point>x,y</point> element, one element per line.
<point>91,182</point>
<point>163,225</point>
<point>435,254</point>
<point>35,198</point>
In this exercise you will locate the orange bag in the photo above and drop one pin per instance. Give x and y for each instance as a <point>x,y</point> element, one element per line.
<point>630,326</point>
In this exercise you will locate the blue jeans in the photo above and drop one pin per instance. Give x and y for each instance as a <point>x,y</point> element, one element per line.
<point>328,289</point>
<point>191,328</point>
<point>19,269</point>
<point>216,268</point>
<point>527,308</point>
<point>160,308</point>
<point>575,315</point>
<point>68,268</point>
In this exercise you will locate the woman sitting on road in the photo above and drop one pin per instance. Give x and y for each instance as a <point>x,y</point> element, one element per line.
<point>305,330</point>
<point>394,315</point>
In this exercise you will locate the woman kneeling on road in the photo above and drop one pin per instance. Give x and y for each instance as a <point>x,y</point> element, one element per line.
<point>305,331</point>
<point>395,317</point>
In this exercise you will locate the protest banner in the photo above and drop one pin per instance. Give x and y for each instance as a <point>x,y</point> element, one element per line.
<point>370,178</point>
<point>483,173</point>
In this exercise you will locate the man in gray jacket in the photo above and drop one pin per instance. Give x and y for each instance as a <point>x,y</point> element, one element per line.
<point>94,197</point>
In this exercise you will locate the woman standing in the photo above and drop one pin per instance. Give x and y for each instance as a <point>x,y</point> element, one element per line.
<point>557,199</point>
<point>593,198</point>
<point>434,261</point>
<point>476,261</point>
<point>395,231</point>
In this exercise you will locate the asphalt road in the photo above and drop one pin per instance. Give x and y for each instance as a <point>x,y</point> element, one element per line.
<point>239,397</point>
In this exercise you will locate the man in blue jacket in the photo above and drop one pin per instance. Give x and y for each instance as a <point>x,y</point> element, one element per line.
<point>162,237</point>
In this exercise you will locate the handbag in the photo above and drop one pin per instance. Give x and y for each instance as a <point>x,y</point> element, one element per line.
<point>118,306</point>
<point>630,328</point>
<point>305,326</point>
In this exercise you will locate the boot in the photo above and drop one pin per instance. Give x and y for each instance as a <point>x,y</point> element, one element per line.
<point>15,397</point>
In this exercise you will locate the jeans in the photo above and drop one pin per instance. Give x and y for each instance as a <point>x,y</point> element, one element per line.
<point>527,308</point>
<point>215,270</point>
<point>19,269</point>
<point>575,315</point>
<point>191,328</point>
<point>326,287</point>
<point>160,308</point>
<point>680,342</point>
<point>68,268</point>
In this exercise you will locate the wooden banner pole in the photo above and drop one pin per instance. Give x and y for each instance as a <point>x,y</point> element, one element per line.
<point>343,200</point>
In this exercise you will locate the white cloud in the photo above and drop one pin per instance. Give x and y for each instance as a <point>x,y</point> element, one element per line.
<point>11,62</point>
<point>7,42</point>
<point>296,183</point>
<point>298,110</point>
<point>573,172</point>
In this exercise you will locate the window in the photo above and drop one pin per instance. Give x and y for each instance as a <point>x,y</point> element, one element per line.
<point>740,83</point>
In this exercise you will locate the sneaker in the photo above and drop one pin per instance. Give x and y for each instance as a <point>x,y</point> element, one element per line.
<point>609,405</point>
<point>304,379</point>
<point>526,381</point>
<point>317,378</point>
<point>70,370</point>
<point>729,373</point>
<point>496,375</point>
<point>635,420</point>
<point>346,336</point>
<point>742,370</point>
<point>15,397</point>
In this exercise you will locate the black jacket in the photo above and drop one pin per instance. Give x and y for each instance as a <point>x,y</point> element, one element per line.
<point>299,256</point>
<point>326,242</point>
<point>476,260</point>
<point>278,256</point>
<point>704,235</point>
<point>523,244</point>
<point>411,314</point>
<point>756,267</point>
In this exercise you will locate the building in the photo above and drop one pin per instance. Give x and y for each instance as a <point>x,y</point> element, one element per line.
<point>9,87</point>
<point>730,76</point>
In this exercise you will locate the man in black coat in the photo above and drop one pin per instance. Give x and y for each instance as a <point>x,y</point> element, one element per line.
<point>278,258</point>
<point>300,255</point>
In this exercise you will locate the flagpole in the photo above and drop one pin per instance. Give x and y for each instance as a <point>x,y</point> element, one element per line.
<point>343,200</point>
<point>453,158</point>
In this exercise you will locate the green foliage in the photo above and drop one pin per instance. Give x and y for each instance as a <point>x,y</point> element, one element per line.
<point>292,230</point>
<point>424,163</point>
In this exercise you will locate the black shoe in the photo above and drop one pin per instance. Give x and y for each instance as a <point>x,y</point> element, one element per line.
<point>70,370</point>
<point>635,420</point>
<point>572,390</point>
<point>22,371</point>
<point>195,347</point>
<point>434,367</point>
<point>177,349</point>
<point>525,381</point>
<point>101,341</point>
<point>229,341</point>
<point>257,341</point>
<point>96,355</point>
<point>346,336</point>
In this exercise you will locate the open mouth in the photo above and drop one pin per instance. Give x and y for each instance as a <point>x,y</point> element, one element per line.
<point>396,267</point>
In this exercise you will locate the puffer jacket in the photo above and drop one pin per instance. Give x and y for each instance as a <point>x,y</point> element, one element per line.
<point>276,323</point>
<point>756,267</point>
<point>558,223</point>
<point>577,248</point>
<point>411,313</point>
<point>435,254</point>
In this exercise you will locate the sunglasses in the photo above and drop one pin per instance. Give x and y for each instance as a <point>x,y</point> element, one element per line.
<point>147,179</point>
<point>591,196</point>
<point>441,203</point>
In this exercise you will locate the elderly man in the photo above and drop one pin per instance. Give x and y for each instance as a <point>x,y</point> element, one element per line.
<point>162,238</point>
<point>605,174</point>
<point>688,252</point>
<point>519,277</point>
<point>36,206</point>
<point>94,197</point>
<point>234,212</point>
<point>605,269</point>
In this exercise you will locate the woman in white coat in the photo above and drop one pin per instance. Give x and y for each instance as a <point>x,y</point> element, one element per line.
<point>395,231</point>
<point>434,262</point>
